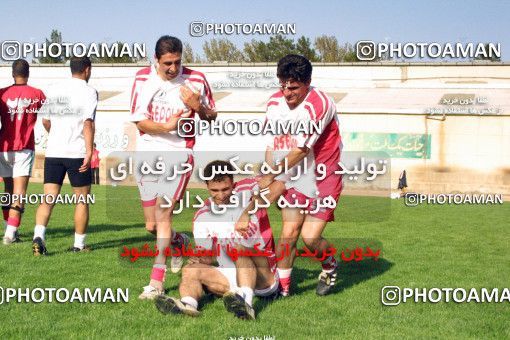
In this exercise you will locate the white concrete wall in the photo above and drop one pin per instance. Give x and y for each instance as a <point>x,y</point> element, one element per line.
<point>468,152</point>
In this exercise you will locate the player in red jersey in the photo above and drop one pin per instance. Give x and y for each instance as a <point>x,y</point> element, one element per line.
<point>168,93</point>
<point>19,105</point>
<point>297,101</point>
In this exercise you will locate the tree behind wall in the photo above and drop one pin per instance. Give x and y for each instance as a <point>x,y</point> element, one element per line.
<point>272,51</point>
<point>55,37</point>
<point>222,50</point>
<point>304,48</point>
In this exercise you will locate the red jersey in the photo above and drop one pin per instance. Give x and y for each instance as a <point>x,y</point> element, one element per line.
<point>19,105</point>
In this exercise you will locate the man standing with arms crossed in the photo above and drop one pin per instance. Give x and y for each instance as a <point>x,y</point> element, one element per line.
<point>174,92</point>
<point>19,105</point>
<point>297,101</point>
<point>68,116</point>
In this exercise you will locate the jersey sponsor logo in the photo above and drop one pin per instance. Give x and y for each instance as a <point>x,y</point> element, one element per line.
<point>162,114</point>
<point>285,142</point>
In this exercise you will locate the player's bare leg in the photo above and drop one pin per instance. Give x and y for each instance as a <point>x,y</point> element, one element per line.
<point>18,187</point>
<point>149,214</point>
<point>44,210</point>
<point>177,239</point>
<point>164,233</point>
<point>252,273</point>
<point>8,186</point>
<point>240,302</point>
<point>265,277</point>
<point>311,232</point>
<point>81,219</point>
<point>195,277</point>
<point>163,217</point>
<point>42,218</point>
<point>291,228</point>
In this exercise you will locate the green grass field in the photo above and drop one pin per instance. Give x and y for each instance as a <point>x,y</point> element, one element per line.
<point>422,247</point>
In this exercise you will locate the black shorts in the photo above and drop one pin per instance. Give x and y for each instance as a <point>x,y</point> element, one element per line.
<point>55,170</point>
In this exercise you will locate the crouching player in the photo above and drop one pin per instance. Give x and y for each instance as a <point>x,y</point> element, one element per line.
<point>236,281</point>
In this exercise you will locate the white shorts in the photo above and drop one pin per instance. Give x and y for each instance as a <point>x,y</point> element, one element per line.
<point>269,290</point>
<point>152,186</point>
<point>16,163</point>
<point>231,275</point>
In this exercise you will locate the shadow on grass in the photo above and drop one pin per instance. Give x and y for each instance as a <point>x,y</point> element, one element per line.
<point>92,229</point>
<point>106,245</point>
<point>348,274</point>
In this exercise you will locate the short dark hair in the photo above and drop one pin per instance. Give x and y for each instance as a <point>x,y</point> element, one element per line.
<point>208,171</point>
<point>20,68</point>
<point>296,67</point>
<point>168,44</point>
<point>79,64</point>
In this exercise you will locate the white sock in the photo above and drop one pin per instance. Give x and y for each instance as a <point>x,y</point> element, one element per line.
<point>10,231</point>
<point>190,301</point>
<point>284,273</point>
<point>39,231</point>
<point>79,240</point>
<point>248,294</point>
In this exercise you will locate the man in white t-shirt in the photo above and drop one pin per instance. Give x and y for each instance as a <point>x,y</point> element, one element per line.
<point>68,116</point>
<point>171,93</point>
<point>236,279</point>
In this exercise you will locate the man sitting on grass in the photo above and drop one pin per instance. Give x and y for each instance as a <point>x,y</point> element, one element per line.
<point>236,281</point>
